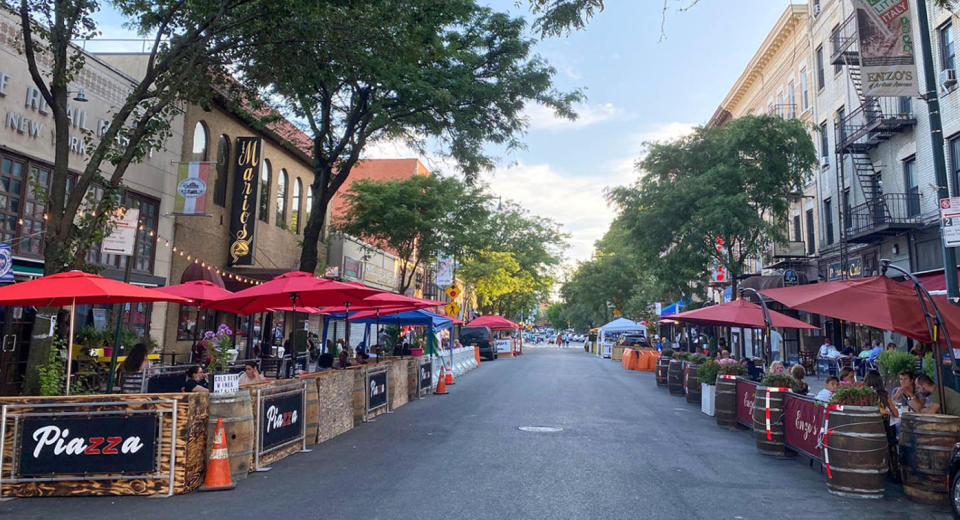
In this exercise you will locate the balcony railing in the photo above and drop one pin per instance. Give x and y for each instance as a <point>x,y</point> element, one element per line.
<point>782,110</point>
<point>887,214</point>
<point>845,42</point>
<point>874,122</point>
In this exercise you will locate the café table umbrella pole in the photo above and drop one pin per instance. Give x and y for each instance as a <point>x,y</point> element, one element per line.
<point>934,321</point>
<point>379,346</point>
<point>73,313</point>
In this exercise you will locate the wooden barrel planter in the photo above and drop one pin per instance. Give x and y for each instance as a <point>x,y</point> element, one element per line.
<point>768,420</point>
<point>855,451</point>
<point>237,414</point>
<point>726,401</point>
<point>675,377</point>
<point>693,385</point>
<point>926,446</point>
<point>663,364</point>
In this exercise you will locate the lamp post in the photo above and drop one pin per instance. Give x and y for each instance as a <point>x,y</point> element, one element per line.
<point>768,324</point>
<point>936,142</point>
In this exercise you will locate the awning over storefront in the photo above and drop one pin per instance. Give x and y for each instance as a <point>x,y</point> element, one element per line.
<point>196,272</point>
<point>673,308</point>
<point>933,281</point>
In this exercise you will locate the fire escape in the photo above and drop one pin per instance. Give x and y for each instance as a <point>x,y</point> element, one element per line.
<point>857,133</point>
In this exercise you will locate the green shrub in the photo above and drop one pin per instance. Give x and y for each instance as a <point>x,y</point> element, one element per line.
<point>780,380</point>
<point>52,373</point>
<point>855,395</point>
<point>733,369</point>
<point>707,372</point>
<point>893,361</point>
<point>697,359</point>
<point>928,366</point>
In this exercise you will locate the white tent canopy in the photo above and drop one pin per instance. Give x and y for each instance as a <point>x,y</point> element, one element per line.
<point>618,325</point>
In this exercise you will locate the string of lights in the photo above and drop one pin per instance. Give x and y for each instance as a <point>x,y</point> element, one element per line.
<point>196,259</point>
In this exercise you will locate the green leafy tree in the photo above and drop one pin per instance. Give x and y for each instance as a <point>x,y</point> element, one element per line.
<point>446,72</point>
<point>191,42</point>
<point>416,217</point>
<point>728,182</point>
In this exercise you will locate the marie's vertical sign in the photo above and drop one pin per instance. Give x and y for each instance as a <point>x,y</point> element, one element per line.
<point>244,215</point>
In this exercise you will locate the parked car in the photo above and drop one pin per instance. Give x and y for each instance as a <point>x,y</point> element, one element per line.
<point>634,340</point>
<point>481,337</point>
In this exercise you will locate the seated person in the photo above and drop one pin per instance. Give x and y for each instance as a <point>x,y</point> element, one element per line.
<point>848,349</point>
<point>828,351</point>
<point>949,405</point>
<point>830,386</point>
<point>343,361</point>
<point>196,380</point>
<point>251,374</point>
<point>362,358</point>
<point>847,376</point>
<point>876,350</point>
<point>907,389</point>
<point>798,373</point>
<point>325,362</point>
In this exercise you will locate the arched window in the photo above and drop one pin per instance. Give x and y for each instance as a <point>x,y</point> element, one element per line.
<point>306,212</point>
<point>264,191</point>
<point>199,142</point>
<point>281,199</point>
<point>223,165</point>
<point>295,206</point>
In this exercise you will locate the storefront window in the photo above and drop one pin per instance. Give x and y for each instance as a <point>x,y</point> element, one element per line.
<point>187,324</point>
<point>22,184</point>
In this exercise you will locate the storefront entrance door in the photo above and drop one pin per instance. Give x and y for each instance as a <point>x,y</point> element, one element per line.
<point>14,345</point>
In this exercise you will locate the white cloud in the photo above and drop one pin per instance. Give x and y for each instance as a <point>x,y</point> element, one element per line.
<point>577,202</point>
<point>662,132</point>
<point>540,117</point>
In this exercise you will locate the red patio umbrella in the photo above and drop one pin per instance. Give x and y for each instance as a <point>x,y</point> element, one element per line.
<point>494,322</point>
<point>78,288</point>
<point>198,291</point>
<point>738,313</point>
<point>877,301</point>
<point>296,289</point>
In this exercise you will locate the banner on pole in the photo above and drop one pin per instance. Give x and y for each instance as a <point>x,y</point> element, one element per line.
<point>444,271</point>
<point>122,238</point>
<point>191,196</point>
<point>886,48</point>
<point>6,264</point>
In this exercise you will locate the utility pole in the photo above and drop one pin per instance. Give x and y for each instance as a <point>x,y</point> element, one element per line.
<point>936,141</point>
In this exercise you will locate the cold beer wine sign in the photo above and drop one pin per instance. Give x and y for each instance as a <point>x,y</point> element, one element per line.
<point>87,445</point>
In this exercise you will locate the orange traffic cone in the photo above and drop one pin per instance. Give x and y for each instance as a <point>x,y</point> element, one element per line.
<point>449,376</point>
<point>476,355</point>
<point>218,466</point>
<point>441,384</point>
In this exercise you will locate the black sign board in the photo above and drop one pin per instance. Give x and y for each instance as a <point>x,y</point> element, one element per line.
<point>376,390</point>
<point>281,420</point>
<point>87,445</point>
<point>426,376</point>
<point>243,215</point>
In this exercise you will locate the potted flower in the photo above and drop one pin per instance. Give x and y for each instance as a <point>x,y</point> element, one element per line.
<point>221,348</point>
<point>855,443</point>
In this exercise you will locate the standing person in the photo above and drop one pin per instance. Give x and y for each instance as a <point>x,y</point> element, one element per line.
<point>776,339</point>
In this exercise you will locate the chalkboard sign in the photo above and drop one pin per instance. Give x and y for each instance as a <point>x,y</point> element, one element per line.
<point>426,376</point>
<point>90,444</point>
<point>281,420</point>
<point>376,390</point>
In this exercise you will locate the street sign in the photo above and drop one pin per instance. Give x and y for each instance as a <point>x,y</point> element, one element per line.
<point>452,309</point>
<point>452,291</point>
<point>950,221</point>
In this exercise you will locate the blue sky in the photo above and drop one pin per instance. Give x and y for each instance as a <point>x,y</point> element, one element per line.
<point>638,88</point>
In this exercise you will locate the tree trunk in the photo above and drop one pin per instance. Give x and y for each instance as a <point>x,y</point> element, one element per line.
<point>313,231</point>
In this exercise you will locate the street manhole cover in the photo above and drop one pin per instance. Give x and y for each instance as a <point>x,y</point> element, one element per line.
<point>540,429</point>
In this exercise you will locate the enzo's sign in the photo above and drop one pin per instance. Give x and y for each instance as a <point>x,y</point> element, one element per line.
<point>886,48</point>
<point>87,445</point>
<point>244,214</point>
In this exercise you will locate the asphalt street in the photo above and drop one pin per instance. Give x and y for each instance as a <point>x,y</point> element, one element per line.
<point>627,450</point>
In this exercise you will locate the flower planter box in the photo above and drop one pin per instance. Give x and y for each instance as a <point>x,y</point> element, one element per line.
<point>707,395</point>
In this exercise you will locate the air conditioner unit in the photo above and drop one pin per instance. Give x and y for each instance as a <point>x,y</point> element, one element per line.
<point>816,9</point>
<point>948,78</point>
<point>824,162</point>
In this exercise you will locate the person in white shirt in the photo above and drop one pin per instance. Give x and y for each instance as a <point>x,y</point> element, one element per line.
<point>828,351</point>
<point>775,341</point>
<point>830,386</point>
